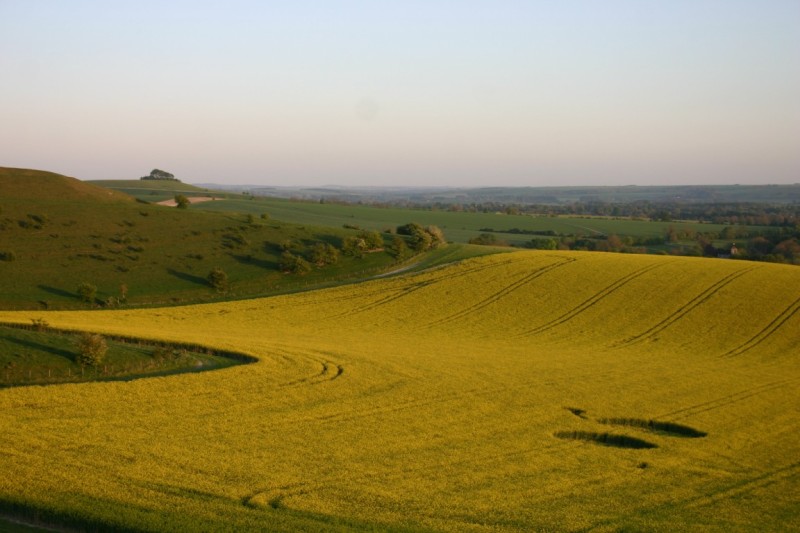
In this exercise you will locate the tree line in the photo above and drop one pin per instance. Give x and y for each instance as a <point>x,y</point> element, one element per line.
<point>772,244</point>
<point>749,214</point>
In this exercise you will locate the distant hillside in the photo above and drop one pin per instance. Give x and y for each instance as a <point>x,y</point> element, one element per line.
<point>58,232</point>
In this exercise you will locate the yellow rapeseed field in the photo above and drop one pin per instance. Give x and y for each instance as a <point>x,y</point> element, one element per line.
<point>472,397</point>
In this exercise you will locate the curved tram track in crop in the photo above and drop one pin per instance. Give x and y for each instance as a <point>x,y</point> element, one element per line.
<point>691,305</point>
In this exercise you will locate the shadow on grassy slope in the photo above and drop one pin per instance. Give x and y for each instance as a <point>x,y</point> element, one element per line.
<point>58,292</point>
<point>41,347</point>
<point>185,276</point>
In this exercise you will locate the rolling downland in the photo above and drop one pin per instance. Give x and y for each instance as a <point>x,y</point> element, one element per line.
<point>552,391</point>
<point>57,232</point>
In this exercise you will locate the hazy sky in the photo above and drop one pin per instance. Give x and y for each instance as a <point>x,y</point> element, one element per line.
<point>417,92</point>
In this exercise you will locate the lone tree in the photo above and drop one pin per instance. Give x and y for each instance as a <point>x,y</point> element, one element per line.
<point>218,279</point>
<point>87,292</point>
<point>181,201</point>
<point>92,349</point>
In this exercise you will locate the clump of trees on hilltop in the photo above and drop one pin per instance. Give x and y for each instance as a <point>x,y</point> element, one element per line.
<point>157,174</point>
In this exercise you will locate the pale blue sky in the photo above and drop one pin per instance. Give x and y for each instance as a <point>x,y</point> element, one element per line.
<point>462,93</point>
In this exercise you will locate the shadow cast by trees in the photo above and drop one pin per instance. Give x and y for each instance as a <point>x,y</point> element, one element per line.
<point>255,261</point>
<point>333,240</point>
<point>191,278</point>
<point>41,347</point>
<point>59,292</point>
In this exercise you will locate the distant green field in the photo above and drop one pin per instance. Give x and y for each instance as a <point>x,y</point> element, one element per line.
<point>458,226</point>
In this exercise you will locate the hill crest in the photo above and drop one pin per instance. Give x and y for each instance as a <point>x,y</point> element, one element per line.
<point>29,184</point>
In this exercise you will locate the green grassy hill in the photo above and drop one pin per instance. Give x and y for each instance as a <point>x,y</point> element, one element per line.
<point>533,391</point>
<point>18,185</point>
<point>57,232</point>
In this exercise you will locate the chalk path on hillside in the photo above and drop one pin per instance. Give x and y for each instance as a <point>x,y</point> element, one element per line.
<point>192,200</point>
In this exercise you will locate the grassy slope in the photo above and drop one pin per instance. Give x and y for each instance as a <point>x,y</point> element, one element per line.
<point>458,226</point>
<point>19,184</point>
<point>161,254</point>
<point>430,401</point>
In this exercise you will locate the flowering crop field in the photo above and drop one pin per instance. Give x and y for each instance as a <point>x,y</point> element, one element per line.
<point>515,392</point>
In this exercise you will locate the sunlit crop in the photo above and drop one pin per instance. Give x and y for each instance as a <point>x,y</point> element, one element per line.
<point>510,392</point>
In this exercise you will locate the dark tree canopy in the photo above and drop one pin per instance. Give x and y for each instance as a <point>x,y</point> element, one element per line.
<point>157,174</point>
<point>293,264</point>
<point>323,253</point>
<point>218,279</point>
<point>91,349</point>
<point>87,292</point>
<point>422,238</point>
